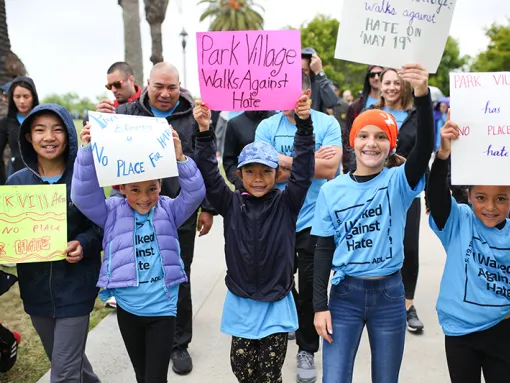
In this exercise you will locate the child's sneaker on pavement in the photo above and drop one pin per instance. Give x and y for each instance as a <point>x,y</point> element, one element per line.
<point>306,372</point>
<point>414,323</point>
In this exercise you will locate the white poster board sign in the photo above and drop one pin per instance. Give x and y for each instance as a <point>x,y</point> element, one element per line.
<point>131,148</point>
<point>392,33</point>
<point>479,105</point>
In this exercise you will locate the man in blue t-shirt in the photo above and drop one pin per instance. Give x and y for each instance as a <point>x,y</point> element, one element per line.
<point>279,131</point>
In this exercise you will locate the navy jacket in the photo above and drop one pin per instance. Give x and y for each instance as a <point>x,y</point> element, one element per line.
<point>59,289</point>
<point>260,233</point>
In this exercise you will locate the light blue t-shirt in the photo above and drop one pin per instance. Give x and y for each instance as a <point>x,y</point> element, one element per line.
<point>279,132</point>
<point>250,319</point>
<point>52,180</point>
<point>162,113</point>
<point>20,118</point>
<point>475,288</point>
<point>371,101</point>
<point>400,115</point>
<point>150,297</point>
<point>367,221</point>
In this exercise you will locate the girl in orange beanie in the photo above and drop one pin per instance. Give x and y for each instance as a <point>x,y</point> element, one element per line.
<point>359,220</point>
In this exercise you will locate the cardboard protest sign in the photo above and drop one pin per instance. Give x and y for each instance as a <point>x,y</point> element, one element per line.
<point>33,223</point>
<point>479,106</point>
<point>392,33</point>
<point>131,148</point>
<point>249,70</point>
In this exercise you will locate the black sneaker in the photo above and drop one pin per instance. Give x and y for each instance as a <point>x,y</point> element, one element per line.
<point>181,361</point>
<point>414,323</point>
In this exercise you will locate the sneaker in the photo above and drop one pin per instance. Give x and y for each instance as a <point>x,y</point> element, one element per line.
<point>182,363</point>
<point>111,303</point>
<point>292,335</point>
<point>414,323</point>
<point>306,372</point>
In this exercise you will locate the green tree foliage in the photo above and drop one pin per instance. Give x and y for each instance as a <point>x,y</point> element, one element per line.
<point>233,15</point>
<point>450,62</point>
<point>321,34</point>
<point>497,56</point>
<point>72,102</point>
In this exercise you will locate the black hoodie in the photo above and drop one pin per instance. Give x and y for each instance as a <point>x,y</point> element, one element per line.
<point>9,127</point>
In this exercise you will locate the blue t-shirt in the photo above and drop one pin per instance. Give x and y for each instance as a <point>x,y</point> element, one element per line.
<point>52,180</point>
<point>279,132</point>
<point>163,113</point>
<point>150,297</point>
<point>250,319</point>
<point>400,115</point>
<point>475,288</point>
<point>371,101</point>
<point>20,118</point>
<point>367,221</point>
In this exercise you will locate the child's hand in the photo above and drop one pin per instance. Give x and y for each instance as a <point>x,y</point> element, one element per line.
<point>449,132</point>
<point>74,252</point>
<point>202,115</point>
<point>303,107</point>
<point>85,135</point>
<point>418,77</point>
<point>323,325</point>
<point>178,146</point>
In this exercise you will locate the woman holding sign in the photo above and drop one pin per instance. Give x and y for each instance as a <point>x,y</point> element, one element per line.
<point>360,219</point>
<point>473,302</point>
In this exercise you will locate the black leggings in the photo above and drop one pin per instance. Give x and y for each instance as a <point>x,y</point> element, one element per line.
<point>148,341</point>
<point>411,249</point>
<point>486,351</point>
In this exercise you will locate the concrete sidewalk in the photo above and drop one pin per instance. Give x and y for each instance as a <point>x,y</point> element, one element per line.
<point>424,359</point>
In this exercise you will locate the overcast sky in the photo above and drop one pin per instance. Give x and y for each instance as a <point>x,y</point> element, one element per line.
<point>67,45</point>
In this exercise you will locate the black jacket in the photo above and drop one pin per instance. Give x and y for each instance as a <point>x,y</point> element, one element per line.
<point>9,127</point>
<point>240,132</point>
<point>182,121</point>
<point>260,233</point>
<point>59,289</point>
<point>323,95</point>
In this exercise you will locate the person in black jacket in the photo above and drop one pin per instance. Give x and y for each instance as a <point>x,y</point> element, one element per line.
<point>164,98</point>
<point>22,98</point>
<point>240,132</point>
<point>60,295</point>
<point>259,229</point>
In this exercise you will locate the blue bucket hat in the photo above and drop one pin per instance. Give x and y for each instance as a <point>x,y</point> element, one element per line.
<point>258,153</point>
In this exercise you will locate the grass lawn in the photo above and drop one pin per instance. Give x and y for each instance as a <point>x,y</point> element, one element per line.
<point>32,362</point>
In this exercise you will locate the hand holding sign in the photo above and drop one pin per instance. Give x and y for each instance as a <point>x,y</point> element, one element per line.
<point>450,131</point>
<point>418,77</point>
<point>202,115</point>
<point>303,107</point>
<point>85,135</point>
<point>179,155</point>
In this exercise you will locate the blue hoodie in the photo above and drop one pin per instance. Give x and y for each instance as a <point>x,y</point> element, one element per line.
<point>59,289</point>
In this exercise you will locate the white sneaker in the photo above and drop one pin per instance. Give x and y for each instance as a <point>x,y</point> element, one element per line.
<point>306,372</point>
<point>111,303</point>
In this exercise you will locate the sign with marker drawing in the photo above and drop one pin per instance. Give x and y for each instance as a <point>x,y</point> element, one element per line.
<point>479,106</point>
<point>131,148</point>
<point>249,70</point>
<point>392,33</point>
<point>33,223</point>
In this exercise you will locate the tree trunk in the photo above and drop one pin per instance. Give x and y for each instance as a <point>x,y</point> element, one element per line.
<point>155,11</point>
<point>132,38</point>
<point>157,44</point>
<point>10,65</point>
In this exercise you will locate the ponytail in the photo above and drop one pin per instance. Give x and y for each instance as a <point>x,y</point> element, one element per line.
<point>394,160</point>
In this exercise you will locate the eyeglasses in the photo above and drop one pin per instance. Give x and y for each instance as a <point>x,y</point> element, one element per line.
<point>116,84</point>
<point>373,74</point>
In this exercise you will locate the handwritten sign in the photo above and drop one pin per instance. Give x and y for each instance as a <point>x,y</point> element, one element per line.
<point>33,223</point>
<point>250,70</point>
<point>130,149</point>
<point>392,33</point>
<point>479,105</point>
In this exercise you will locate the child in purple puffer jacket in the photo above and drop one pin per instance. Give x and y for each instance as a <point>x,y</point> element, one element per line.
<point>142,267</point>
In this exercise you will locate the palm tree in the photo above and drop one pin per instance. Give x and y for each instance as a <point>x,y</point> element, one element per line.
<point>233,15</point>
<point>132,38</point>
<point>10,64</point>
<point>155,12</point>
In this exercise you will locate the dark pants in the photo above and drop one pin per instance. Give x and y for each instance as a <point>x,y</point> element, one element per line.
<point>307,338</point>
<point>411,249</point>
<point>486,351</point>
<point>258,360</point>
<point>148,341</point>
<point>184,322</point>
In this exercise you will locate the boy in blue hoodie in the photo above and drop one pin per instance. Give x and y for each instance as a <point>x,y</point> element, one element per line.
<point>59,296</point>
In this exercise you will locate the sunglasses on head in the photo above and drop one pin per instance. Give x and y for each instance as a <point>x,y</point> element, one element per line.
<point>116,84</point>
<point>373,74</point>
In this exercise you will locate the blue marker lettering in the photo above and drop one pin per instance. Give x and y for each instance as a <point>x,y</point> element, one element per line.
<point>154,157</point>
<point>130,168</point>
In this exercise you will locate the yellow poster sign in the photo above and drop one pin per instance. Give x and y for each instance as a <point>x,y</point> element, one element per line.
<point>33,223</point>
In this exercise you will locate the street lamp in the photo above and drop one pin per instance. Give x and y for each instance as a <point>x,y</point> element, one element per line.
<point>184,35</point>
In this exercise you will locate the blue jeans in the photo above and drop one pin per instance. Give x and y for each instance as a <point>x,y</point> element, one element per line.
<point>380,305</point>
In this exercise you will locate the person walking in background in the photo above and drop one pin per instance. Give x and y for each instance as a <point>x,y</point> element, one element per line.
<point>347,96</point>
<point>440,114</point>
